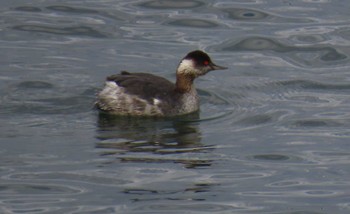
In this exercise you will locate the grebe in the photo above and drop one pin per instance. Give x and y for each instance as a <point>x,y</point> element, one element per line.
<point>143,94</point>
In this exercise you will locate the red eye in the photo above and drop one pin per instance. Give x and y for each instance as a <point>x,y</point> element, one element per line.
<point>206,63</point>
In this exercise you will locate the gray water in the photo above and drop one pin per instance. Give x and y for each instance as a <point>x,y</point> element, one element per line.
<point>272,135</point>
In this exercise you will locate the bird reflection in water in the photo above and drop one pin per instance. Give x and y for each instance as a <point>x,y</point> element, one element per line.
<point>152,140</point>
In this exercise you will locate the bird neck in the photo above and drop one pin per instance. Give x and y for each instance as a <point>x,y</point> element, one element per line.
<point>185,76</point>
<point>184,83</point>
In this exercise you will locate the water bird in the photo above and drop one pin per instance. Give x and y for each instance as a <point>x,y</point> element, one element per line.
<point>144,94</point>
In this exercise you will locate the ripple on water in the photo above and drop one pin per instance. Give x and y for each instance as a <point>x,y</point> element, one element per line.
<point>81,13</point>
<point>308,39</point>
<point>213,106</point>
<point>278,158</point>
<point>242,176</point>
<point>301,193</point>
<point>327,158</point>
<point>197,23</point>
<point>255,120</point>
<point>171,4</point>
<point>28,9</point>
<point>59,105</point>
<point>319,125</point>
<point>288,183</point>
<point>253,15</point>
<point>306,56</point>
<point>85,177</point>
<point>116,15</point>
<point>66,21</point>
<point>271,157</point>
<point>143,140</point>
<point>43,97</point>
<point>308,84</point>
<point>10,189</point>
<point>87,31</point>
<point>344,33</point>
<point>306,93</point>
<point>300,212</point>
<point>69,9</point>
<point>315,123</point>
<point>195,207</point>
<point>35,198</point>
<point>246,14</point>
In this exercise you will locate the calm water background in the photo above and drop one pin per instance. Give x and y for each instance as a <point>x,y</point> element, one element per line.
<point>273,133</point>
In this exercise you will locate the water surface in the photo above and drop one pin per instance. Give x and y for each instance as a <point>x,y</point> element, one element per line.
<point>272,135</point>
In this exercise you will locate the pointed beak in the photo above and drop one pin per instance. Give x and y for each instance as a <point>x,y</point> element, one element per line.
<point>216,67</point>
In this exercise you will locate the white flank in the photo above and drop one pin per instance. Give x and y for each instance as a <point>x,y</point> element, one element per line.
<point>114,99</point>
<point>156,101</point>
